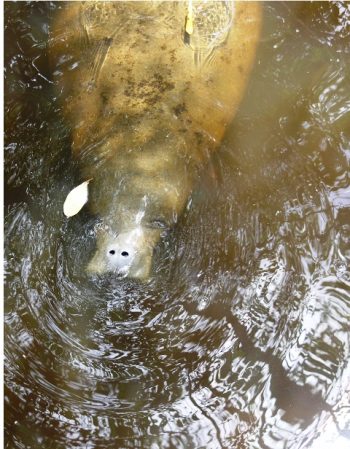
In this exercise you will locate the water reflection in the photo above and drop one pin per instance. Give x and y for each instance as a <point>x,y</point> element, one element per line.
<point>241,340</point>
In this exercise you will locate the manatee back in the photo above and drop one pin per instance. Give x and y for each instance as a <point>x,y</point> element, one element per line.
<point>130,68</point>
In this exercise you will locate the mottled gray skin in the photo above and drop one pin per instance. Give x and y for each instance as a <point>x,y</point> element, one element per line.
<point>144,115</point>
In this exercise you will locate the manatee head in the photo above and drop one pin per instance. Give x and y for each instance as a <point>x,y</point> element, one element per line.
<point>128,253</point>
<point>138,196</point>
<point>127,235</point>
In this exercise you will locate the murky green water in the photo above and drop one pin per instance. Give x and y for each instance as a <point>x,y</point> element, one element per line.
<point>241,340</point>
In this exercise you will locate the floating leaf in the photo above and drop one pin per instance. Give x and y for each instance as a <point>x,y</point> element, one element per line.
<point>76,199</point>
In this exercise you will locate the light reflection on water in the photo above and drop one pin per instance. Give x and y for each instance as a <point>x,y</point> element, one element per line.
<point>241,340</point>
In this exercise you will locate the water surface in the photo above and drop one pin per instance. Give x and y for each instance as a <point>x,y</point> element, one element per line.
<point>241,339</point>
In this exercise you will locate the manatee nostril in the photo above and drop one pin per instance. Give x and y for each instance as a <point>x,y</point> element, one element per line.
<point>112,252</point>
<point>125,253</point>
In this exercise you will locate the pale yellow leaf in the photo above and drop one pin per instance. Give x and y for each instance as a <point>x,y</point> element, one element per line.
<point>189,19</point>
<point>76,199</point>
<point>189,24</point>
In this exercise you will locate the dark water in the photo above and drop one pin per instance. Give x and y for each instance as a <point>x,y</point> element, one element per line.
<point>241,340</point>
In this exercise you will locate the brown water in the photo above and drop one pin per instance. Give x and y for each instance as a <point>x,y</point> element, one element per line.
<point>242,338</point>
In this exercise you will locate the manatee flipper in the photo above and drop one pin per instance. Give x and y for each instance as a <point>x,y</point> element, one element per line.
<point>99,54</point>
<point>97,49</point>
<point>211,25</point>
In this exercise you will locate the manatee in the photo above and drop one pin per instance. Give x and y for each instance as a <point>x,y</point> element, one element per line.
<point>148,90</point>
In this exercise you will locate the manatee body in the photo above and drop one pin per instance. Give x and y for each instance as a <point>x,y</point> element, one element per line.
<point>148,96</point>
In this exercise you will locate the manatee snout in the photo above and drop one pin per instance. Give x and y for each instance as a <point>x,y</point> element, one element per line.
<point>128,254</point>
